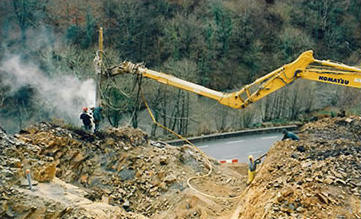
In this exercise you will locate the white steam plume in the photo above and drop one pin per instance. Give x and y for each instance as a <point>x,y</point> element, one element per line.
<point>63,96</point>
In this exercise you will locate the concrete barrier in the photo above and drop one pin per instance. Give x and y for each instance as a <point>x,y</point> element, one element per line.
<point>232,134</point>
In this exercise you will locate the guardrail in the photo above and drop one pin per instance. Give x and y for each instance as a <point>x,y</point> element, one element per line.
<point>232,134</point>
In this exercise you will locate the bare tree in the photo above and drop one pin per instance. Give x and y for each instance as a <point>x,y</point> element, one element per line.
<point>221,118</point>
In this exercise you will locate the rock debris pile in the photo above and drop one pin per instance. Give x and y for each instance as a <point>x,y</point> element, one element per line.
<point>317,177</point>
<point>120,171</point>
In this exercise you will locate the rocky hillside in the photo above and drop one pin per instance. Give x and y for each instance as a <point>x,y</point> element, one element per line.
<point>317,177</point>
<point>116,173</point>
<point>119,173</point>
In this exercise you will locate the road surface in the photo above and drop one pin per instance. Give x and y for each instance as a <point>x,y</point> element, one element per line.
<point>239,147</point>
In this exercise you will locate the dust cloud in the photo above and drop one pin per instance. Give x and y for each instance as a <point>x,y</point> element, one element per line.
<point>58,96</point>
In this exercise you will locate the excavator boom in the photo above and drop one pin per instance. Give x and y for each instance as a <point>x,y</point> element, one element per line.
<point>305,66</point>
<point>128,67</point>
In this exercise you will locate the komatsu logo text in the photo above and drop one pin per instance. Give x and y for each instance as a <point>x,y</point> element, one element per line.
<point>333,80</point>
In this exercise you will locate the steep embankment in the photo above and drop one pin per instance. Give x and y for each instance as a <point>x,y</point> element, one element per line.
<point>317,177</point>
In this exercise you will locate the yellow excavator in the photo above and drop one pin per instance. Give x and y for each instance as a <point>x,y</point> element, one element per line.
<point>305,66</point>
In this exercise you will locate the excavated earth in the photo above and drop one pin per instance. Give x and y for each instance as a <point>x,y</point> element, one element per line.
<point>119,173</point>
<point>316,177</point>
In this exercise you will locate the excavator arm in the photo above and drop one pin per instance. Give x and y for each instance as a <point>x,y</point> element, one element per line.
<point>305,66</point>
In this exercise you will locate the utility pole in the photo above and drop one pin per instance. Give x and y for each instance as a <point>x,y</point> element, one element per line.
<point>98,69</point>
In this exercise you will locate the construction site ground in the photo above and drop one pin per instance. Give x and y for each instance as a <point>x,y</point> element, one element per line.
<point>120,173</point>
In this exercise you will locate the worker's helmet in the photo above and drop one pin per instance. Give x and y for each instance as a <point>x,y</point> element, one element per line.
<point>85,109</point>
<point>284,131</point>
<point>250,157</point>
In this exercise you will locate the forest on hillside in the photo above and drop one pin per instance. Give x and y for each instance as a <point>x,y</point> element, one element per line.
<point>48,47</point>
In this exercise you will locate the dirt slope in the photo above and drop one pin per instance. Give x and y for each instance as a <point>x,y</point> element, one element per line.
<point>317,177</point>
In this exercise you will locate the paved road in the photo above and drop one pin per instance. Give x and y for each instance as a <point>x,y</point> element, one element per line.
<point>239,147</point>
